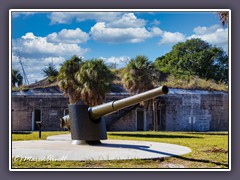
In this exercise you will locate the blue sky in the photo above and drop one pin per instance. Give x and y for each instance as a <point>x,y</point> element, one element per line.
<point>39,38</point>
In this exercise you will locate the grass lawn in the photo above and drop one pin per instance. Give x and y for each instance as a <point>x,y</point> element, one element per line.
<point>209,150</point>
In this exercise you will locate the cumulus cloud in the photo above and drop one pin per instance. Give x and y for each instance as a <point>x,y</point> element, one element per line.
<point>155,31</point>
<point>100,32</point>
<point>112,19</point>
<point>127,20</point>
<point>70,36</point>
<point>119,61</point>
<point>200,30</point>
<point>67,17</point>
<point>214,35</point>
<point>33,46</point>
<point>37,52</point>
<point>172,38</point>
<point>155,22</point>
<point>17,14</point>
<point>33,66</point>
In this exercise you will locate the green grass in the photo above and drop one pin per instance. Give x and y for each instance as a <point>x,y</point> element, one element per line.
<point>209,150</point>
<point>35,135</point>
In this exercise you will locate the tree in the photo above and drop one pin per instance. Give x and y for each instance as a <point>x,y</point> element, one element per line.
<point>95,79</point>
<point>16,78</point>
<point>139,76</point>
<point>67,81</point>
<point>50,70</point>
<point>223,17</point>
<point>195,57</point>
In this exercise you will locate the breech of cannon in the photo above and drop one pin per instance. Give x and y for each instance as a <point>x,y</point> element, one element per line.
<point>87,125</point>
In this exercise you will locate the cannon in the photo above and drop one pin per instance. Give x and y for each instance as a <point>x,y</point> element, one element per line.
<point>86,123</point>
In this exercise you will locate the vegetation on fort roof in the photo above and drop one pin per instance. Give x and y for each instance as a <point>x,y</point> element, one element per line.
<point>194,83</point>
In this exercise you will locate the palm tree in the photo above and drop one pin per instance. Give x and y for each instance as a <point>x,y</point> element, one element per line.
<point>66,79</point>
<point>50,70</point>
<point>16,78</point>
<point>223,17</point>
<point>139,76</point>
<point>95,79</point>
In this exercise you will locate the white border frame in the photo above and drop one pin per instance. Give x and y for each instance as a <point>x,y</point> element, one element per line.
<point>116,10</point>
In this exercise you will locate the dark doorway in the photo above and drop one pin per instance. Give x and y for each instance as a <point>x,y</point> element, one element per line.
<point>162,118</point>
<point>140,120</point>
<point>65,112</point>
<point>37,118</point>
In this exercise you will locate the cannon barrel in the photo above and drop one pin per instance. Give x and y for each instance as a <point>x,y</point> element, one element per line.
<point>110,107</point>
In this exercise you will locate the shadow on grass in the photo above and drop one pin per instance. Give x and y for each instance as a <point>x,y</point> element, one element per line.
<point>208,133</point>
<point>202,161</point>
<point>164,154</point>
<point>138,147</point>
<point>136,135</point>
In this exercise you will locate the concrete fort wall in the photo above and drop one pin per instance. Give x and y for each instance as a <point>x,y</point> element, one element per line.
<point>181,112</point>
<point>176,112</point>
<point>27,109</point>
<point>201,112</point>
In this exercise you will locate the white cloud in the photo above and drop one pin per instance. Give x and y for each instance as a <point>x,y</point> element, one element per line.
<point>100,32</point>
<point>214,35</point>
<point>17,14</point>
<point>172,38</point>
<point>127,20</point>
<point>33,66</point>
<point>112,19</point>
<point>29,36</point>
<point>155,31</point>
<point>120,61</point>
<point>32,46</point>
<point>68,36</point>
<point>155,22</point>
<point>200,30</point>
<point>67,17</point>
<point>36,52</point>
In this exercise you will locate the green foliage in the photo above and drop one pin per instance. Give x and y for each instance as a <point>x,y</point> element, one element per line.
<point>139,75</point>
<point>50,70</point>
<point>95,79</point>
<point>88,81</point>
<point>195,57</point>
<point>66,79</point>
<point>16,78</point>
<point>223,17</point>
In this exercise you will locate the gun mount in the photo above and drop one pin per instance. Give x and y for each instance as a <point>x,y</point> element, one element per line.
<point>86,123</point>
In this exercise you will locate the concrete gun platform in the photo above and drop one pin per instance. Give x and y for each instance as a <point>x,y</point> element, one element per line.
<point>59,148</point>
